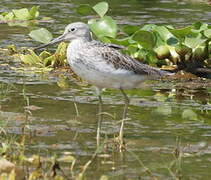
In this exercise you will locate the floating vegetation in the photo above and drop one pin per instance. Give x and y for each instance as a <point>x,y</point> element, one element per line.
<point>173,49</point>
<point>22,17</point>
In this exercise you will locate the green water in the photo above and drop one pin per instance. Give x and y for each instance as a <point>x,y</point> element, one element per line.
<point>158,115</point>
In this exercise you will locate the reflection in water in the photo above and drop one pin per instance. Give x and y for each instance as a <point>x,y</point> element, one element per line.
<point>157,117</point>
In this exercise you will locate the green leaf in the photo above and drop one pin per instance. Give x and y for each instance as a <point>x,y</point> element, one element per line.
<point>21,14</point>
<point>193,42</point>
<point>30,59</point>
<point>181,33</point>
<point>9,16</point>
<point>84,10</point>
<point>151,58</point>
<point>145,39</point>
<point>41,35</point>
<point>163,32</point>
<point>123,42</point>
<point>172,41</point>
<point>130,29</point>
<point>106,26</point>
<point>34,13</point>
<point>101,8</point>
<point>149,27</point>
<point>199,26</point>
<point>207,33</point>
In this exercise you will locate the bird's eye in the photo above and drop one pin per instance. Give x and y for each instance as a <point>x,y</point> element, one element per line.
<point>72,29</point>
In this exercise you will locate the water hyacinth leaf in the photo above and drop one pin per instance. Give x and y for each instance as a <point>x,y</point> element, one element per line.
<point>31,58</point>
<point>172,41</point>
<point>133,50</point>
<point>159,41</point>
<point>163,32</point>
<point>193,42</point>
<point>123,42</point>
<point>9,16</point>
<point>41,35</point>
<point>101,8</point>
<point>145,38</point>
<point>149,27</point>
<point>181,33</point>
<point>151,58</point>
<point>130,29</point>
<point>34,13</point>
<point>21,14</point>
<point>106,26</point>
<point>207,33</point>
<point>199,26</point>
<point>84,10</point>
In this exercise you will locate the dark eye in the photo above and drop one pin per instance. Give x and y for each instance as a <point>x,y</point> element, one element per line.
<point>72,29</point>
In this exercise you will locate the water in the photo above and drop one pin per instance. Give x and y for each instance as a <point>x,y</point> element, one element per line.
<point>158,115</point>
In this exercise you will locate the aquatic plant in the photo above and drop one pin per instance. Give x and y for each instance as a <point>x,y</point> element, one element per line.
<point>23,17</point>
<point>171,48</point>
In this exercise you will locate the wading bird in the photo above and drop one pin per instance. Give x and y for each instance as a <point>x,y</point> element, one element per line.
<point>104,66</point>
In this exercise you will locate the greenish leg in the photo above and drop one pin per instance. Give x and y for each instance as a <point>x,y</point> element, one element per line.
<point>124,117</point>
<point>100,118</point>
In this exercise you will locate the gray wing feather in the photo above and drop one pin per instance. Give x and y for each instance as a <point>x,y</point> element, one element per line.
<point>112,56</point>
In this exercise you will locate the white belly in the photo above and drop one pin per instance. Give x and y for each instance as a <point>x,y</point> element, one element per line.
<point>116,79</point>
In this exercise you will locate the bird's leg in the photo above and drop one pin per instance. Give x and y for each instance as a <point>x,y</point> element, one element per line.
<point>124,117</point>
<point>100,117</point>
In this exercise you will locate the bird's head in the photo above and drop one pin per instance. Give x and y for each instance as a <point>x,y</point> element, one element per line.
<point>77,30</point>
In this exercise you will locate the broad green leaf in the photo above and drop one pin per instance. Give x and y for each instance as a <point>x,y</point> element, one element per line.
<point>151,58</point>
<point>9,16</point>
<point>207,33</point>
<point>172,41</point>
<point>145,39</point>
<point>84,10</point>
<point>123,42</point>
<point>106,26</point>
<point>133,50</point>
<point>193,42</point>
<point>101,8</point>
<point>181,33</point>
<point>199,26</point>
<point>21,14</point>
<point>159,41</point>
<point>34,13</point>
<point>130,29</point>
<point>30,59</point>
<point>41,35</point>
<point>163,32</point>
<point>149,27</point>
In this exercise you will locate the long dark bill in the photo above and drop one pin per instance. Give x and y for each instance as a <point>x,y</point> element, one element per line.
<point>56,40</point>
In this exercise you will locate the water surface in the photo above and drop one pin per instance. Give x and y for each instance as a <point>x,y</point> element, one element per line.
<point>158,115</point>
